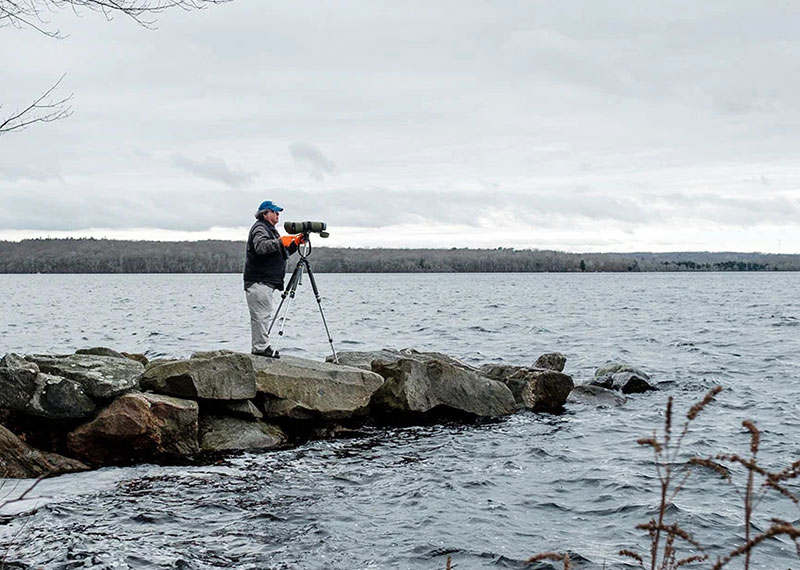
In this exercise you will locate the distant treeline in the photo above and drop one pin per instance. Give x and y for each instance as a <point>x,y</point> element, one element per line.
<point>115,256</point>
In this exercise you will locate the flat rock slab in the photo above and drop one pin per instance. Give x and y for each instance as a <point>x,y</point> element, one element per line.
<point>298,388</point>
<point>218,376</point>
<point>233,434</point>
<point>20,461</point>
<point>137,427</point>
<point>102,377</point>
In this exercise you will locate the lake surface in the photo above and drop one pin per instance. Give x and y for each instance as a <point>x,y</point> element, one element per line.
<point>489,496</point>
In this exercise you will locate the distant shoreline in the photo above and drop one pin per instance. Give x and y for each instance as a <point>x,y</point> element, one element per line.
<point>216,256</point>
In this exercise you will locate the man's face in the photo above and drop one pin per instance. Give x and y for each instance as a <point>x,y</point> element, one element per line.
<point>272,217</point>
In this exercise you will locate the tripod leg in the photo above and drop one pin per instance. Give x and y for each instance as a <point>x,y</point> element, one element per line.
<point>297,274</point>
<point>319,304</point>
<point>290,289</point>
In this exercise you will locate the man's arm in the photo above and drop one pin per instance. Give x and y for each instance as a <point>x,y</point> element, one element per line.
<point>263,243</point>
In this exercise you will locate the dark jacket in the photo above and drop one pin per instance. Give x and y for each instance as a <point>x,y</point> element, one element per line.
<point>266,256</point>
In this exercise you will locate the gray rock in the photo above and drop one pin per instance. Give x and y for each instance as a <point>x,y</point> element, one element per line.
<point>232,434</point>
<point>597,396</point>
<point>137,427</point>
<point>297,388</point>
<point>545,390</point>
<point>427,385</point>
<point>57,397</point>
<point>102,377</point>
<point>439,356</point>
<point>551,361</point>
<point>500,371</point>
<point>19,460</point>
<point>622,377</point>
<point>100,351</point>
<point>631,383</point>
<point>159,361</point>
<point>537,389</point>
<point>17,382</point>
<point>227,376</point>
<point>243,409</point>
<point>140,358</point>
<point>363,360</point>
<point>615,367</point>
<point>211,353</point>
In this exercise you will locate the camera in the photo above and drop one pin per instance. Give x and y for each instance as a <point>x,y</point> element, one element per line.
<point>306,227</point>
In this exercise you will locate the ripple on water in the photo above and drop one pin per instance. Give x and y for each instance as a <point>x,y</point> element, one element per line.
<point>489,495</point>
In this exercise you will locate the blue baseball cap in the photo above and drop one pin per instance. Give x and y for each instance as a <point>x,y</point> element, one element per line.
<point>268,205</point>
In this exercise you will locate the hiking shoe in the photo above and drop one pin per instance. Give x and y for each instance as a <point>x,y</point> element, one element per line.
<point>268,352</point>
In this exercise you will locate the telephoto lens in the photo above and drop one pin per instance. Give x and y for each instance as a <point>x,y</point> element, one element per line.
<point>304,227</point>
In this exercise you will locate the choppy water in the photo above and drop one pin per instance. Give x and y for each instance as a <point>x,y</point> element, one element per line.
<point>490,495</point>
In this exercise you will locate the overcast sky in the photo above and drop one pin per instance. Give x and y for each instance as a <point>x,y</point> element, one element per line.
<point>579,126</point>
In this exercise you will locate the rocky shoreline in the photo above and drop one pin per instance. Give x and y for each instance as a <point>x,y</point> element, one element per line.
<point>98,407</point>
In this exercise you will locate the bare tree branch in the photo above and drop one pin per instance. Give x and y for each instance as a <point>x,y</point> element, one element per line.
<point>44,109</point>
<point>32,13</point>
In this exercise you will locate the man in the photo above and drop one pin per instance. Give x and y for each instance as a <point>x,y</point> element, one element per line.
<point>264,273</point>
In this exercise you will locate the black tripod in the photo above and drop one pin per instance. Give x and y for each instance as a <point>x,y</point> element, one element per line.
<point>304,250</point>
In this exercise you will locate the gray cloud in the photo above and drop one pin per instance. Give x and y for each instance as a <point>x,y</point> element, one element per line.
<point>213,169</point>
<point>724,210</point>
<point>21,172</point>
<point>312,159</point>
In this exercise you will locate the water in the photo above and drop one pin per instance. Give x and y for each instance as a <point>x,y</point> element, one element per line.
<point>489,495</point>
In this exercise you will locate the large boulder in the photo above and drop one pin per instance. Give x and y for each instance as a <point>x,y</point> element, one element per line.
<point>537,389</point>
<point>17,382</point>
<point>18,460</point>
<point>137,427</point>
<point>213,376</point>
<point>59,398</point>
<point>545,390</point>
<point>296,388</point>
<point>232,434</point>
<point>623,377</point>
<point>102,377</point>
<point>24,389</point>
<point>426,385</point>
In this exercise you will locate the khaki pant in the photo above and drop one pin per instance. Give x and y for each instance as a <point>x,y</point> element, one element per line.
<point>259,301</point>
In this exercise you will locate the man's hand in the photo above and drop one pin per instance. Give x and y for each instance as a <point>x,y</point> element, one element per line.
<point>289,240</point>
